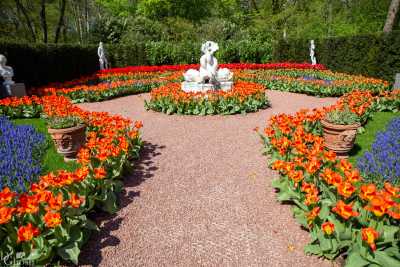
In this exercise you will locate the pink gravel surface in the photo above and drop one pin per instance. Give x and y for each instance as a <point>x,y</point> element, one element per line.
<point>201,194</point>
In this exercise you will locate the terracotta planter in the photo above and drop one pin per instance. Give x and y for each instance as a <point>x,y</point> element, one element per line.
<point>68,141</point>
<point>339,138</point>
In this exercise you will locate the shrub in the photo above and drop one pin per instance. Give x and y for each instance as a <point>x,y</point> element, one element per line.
<point>23,148</point>
<point>382,163</point>
<point>39,64</point>
<point>375,55</point>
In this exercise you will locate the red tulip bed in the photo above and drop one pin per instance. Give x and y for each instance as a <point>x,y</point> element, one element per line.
<point>344,215</point>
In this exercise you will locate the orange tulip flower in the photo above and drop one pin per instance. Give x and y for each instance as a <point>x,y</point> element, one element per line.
<point>52,219</point>
<point>368,191</point>
<point>99,173</point>
<point>6,196</point>
<point>369,235</point>
<point>344,210</point>
<point>346,189</point>
<point>6,214</point>
<point>26,233</point>
<point>328,228</point>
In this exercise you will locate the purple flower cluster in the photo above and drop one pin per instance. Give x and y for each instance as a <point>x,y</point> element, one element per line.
<point>382,163</point>
<point>21,151</point>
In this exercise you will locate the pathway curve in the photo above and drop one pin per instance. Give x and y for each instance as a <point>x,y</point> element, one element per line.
<point>201,194</point>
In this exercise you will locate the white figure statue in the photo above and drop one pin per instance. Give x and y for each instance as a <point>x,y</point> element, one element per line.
<point>209,72</point>
<point>102,57</point>
<point>312,53</point>
<point>7,73</point>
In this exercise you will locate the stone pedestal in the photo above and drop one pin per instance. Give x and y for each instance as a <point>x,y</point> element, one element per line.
<point>397,81</point>
<point>195,87</point>
<point>18,90</point>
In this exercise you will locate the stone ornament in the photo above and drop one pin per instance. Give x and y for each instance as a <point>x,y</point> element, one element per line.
<point>101,52</point>
<point>7,73</point>
<point>68,141</point>
<point>208,77</point>
<point>312,53</point>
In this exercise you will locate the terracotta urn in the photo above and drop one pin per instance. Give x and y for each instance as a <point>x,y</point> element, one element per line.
<point>68,141</point>
<point>339,138</point>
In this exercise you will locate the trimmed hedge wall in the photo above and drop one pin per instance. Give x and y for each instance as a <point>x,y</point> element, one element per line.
<point>38,64</point>
<point>374,55</point>
<point>41,64</point>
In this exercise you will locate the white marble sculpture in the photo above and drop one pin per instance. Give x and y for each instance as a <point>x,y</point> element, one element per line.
<point>312,53</point>
<point>7,73</point>
<point>101,52</point>
<point>209,77</point>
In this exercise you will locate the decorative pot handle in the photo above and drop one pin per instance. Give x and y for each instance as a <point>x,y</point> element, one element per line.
<point>65,143</point>
<point>347,137</point>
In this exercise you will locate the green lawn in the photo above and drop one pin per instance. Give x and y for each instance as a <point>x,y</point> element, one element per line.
<point>52,161</point>
<point>364,141</point>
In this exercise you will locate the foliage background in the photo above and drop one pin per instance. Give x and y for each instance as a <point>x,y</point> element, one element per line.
<point>154,32</point>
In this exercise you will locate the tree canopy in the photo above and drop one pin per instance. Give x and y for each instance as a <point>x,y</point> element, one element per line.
<point>120,21</point>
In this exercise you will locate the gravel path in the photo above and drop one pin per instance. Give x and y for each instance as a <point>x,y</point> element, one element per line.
<point>201,194</point>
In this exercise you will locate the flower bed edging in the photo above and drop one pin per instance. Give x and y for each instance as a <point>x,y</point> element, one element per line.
<point>50,221</point>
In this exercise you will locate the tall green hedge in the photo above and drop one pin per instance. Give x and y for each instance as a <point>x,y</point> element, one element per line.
<point>41,64</point>
<point>374,55</point>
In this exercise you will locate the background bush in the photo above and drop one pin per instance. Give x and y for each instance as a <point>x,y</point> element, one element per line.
<point>374,55</point>
<point>40,64</point>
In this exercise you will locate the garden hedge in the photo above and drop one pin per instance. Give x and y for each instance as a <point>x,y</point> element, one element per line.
<point>374,55</point>
<point>40,64</point>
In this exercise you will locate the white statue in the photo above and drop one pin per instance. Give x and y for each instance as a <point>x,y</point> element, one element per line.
<point>209,73</point>
<point>7,73</point>
<point>312,53</point>
<point>102,56</point>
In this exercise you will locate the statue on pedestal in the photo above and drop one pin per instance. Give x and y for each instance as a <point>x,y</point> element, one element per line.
<point>208,77</point>
<point>101,52</point>
<point>7,73</point>
<point>312,53</point>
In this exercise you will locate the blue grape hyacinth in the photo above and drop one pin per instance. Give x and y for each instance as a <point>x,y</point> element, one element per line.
<point>21,151</point>
<point>382,163</point>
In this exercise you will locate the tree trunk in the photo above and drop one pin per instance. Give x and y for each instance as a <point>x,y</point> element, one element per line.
<point>393,9</point>
<point>275,6</point>
<point>60,21</point>
<point>29,23</point>
<point>43,22</point>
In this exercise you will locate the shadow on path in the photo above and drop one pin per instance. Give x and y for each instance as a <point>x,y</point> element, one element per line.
<point>143,169</point>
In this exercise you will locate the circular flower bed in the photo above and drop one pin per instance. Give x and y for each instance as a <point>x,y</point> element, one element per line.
<point>244,97</point>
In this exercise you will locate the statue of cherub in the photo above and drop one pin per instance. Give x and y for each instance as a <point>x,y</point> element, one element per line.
<point>208,72</point>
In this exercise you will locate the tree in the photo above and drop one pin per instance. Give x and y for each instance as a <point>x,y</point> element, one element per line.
<point>43,22</point>
<point>391,16</point>
<point>28,20</point>
<point>60,20</point>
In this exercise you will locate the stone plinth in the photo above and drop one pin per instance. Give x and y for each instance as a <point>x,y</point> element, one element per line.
<point>18,90</point>
<point>195,87</point>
